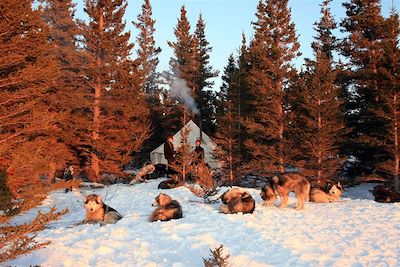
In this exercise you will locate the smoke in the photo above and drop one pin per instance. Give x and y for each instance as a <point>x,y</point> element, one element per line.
<point>180,90</point>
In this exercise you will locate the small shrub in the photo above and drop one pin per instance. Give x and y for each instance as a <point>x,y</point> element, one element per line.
<point>217,259</point>
<point>20,239</point>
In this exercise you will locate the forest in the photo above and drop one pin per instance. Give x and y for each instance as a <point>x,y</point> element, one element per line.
<point>80,92</point>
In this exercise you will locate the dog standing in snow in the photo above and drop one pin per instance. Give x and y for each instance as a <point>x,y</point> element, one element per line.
<point>148,169</point>
<point>167,209</point>
<point>331,194</point>
<point>97,211</point>
<point>237,200</point>
<point>281,185</point>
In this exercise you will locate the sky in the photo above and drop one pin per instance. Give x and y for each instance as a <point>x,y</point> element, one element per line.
<point>225,22</point>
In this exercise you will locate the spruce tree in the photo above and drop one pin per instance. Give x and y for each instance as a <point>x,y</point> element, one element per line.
<point>27,73</point>
<point>322,127</point>
<point>227,135</point>
<point>184,72</point>
<point>271,53</point>
<point>181,63</point>
<point>203,96</point>
<point>362,47</point>
<point>390,96</point>
<point>147,50</point>
<point>244,97</point>
<point>68,96</point>
<point>148,61</point>
<point>119,118</point>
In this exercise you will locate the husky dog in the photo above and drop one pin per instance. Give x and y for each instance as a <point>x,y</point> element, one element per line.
<point>328,195</point>
<point>97,211</point>
<point>237,200</point>
<point>167,209</point>
<point>169,184</point>
<point>282,185</point>
<point>384,195</point>
<point>148,169</point>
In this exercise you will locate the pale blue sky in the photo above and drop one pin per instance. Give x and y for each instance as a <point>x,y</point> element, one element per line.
<point>225,22</point>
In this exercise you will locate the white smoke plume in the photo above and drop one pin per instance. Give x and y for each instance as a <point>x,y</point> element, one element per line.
<point>180,90</point>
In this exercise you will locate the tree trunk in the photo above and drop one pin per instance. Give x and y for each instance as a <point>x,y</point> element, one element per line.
<point>281,118</point>
<point>319,152</point>
<point>52,171</point>
<point>396,146</point>
<point>96,110</point>
<point>95,133</point>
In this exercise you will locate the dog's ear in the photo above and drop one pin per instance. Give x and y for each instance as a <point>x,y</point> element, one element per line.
<point>162,199</point>
<point>339,186</point>
<point>99,200</point>
<point>245,195</point>
<point>85,199</point>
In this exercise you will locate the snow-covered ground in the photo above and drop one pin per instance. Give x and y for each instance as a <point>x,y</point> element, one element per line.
<point>353,232</point>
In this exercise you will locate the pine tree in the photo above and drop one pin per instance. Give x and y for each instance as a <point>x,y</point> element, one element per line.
<point>148,51</point>
<point>390,71</point>
<point>322,124</point>
<point>184,67</point>
<point>244,97</point>
<point>227,135</point>
<point>27,73</point>
<point>203,96</point>
<point>68,97</point>
<point>183,51</point>
<point>363,49</point>
<point>271,52</point>
<point>184,152</point>
<point>148,61</point>
<point>119,118</point>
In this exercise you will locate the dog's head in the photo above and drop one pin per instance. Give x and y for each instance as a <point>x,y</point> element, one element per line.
<point>246,197</point>
<point>150,168</point>
<point>162,200</point>
<point>336,190</point>
<point>231,194</point>
<point>93,203</point>
<point>268,194</point>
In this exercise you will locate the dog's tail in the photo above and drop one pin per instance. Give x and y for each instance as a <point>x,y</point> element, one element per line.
<point>224,209</point>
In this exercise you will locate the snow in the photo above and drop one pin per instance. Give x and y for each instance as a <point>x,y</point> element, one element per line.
<point>353,232</point>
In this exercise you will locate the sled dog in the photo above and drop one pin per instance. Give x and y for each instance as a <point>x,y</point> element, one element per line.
<point>167,209</point>
<point>169,184</point>
<point>97,211</point>
<point>330,195</point>
<point>237,200</point>
<point>281,185</point>
<point>385,195</point>
<point>148,169</point>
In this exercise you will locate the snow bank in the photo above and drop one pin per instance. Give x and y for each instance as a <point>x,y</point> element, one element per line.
<point>354,232</point>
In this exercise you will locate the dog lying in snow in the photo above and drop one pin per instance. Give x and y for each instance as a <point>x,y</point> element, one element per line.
<point>169,184</point>
<point>237,200</point>
<point>281,185</point>
<point>148,169</point>
<point>167,209</point>
<point>97,211</point>
<point>331,193</point>
<point>384,195</point>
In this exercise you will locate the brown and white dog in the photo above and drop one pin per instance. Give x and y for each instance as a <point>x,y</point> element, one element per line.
<point>167,209</point>
<point>281,185</point>
<point>237,200</point>
<point>97,211</point>
<point>331,194</point>
<point>148,169</point>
